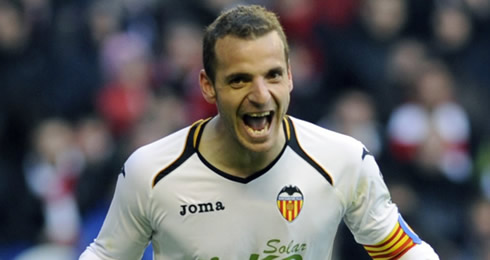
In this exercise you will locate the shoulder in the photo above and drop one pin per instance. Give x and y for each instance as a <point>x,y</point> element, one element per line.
<point>147,161</point>
<point>338,155</point>
<point>319,140</point>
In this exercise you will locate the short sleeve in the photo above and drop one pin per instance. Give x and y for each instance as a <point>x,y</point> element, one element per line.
<point>375,222</point>
<point>126,230</point>
<point>370,214</point>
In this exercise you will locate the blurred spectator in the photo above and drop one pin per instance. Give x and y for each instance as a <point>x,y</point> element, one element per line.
<point>39,15</point>
<point>24,74</point>
<point>429,137</point>
<point>178,63</point>
<point>165,115</point>
<point>404,64</point>
<point>308,97</point>
<point>452,29</point>
<point>383,19</point>
<point>13,30</point>
<point>455,40</point>
<point>479,9</point>
<point>52,169</point>
<point>21,219</point>
<point>179,46</point>
<point>354,114</point>
<point>103,19</point>
<point>20,81</point>
<point>433,130</point>
<point>101,164</point>
<point>298,18</point>
<point>337,13</point>
<point>126,65</point>
<point>357,55</point>
<point>79,39</point>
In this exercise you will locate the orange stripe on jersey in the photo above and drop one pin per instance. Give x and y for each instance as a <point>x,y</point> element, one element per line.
<point>397,243</point>
<point>286,125</point>
<point>199,123</point>
<point>392,238</point>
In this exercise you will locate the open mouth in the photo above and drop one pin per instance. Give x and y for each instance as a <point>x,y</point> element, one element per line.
<point>258,123</point>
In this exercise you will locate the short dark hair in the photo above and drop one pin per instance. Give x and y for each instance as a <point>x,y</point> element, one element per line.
<point>243,21</point>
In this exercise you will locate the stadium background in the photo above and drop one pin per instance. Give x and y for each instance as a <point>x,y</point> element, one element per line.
<point>83,83</point>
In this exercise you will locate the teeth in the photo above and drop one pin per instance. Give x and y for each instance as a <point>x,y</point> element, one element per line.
<point>257,132</point>
<point>264,122</point>
<point>261,114</point>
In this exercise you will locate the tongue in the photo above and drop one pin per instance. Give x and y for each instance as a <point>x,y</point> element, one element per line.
<point>256,123</point>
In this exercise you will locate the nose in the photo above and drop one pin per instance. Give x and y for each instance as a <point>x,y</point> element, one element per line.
<point>259,93</point>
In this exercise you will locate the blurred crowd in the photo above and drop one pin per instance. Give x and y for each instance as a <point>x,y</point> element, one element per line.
<point>83,83</point>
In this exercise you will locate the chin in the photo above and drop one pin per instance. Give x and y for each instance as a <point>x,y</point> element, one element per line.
<point>261,147</point>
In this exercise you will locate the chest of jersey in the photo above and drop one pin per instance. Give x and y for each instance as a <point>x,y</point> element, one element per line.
<point>289,211</point>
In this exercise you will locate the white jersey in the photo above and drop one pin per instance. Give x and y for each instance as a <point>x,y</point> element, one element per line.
<point>170,195</point>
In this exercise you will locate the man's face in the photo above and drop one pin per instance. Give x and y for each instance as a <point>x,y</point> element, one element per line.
<point>252,87</point>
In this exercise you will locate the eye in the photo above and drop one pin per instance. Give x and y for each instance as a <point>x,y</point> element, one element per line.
<point>275,75</point>
<point>238,81</point>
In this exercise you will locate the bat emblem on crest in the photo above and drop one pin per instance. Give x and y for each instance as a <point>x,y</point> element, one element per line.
<point>290,202</point>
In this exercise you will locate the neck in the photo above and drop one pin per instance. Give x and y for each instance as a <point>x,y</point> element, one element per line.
<point>224,152</point>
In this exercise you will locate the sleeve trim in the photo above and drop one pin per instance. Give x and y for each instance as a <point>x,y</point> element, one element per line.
<point>396,244</point>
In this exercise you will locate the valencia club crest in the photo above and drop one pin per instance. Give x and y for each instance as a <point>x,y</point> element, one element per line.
<point>290,202</point>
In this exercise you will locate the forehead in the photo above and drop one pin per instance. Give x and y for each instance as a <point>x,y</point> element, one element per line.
<point>235,54</point>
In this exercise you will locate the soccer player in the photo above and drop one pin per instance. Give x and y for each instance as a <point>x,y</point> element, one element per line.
<point>251,182</point>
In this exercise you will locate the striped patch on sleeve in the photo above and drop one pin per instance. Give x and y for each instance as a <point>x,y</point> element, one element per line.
<point>397,243</point>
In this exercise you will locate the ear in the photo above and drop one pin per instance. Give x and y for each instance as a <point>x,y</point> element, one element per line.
<point>207,88</point>
<point>290,78</point>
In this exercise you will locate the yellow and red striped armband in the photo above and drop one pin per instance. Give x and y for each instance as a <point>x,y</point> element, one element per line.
<point>397,243</point>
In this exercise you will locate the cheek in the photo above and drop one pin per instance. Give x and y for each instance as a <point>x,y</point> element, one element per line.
<point>226,106</point>
<point>285,104</point>
<point>232,99</point>
<point>282,96</point>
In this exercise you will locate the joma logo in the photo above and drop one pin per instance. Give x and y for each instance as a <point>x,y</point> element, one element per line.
<point>201,208</point>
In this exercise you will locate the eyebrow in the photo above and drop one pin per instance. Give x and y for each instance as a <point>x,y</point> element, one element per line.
<point>276,70</point>
<point>245,76</point>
